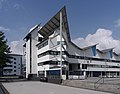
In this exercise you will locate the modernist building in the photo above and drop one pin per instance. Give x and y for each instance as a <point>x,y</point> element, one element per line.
<point>15,67</point>
<point>50,51</point>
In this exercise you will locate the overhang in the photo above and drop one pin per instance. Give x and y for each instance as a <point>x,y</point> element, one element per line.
<point>105,50</point>
<point>54,23</point>
<point>87,47</point>
<point>31,30</point>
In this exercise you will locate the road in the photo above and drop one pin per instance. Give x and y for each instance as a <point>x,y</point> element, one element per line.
<point>35,87</point>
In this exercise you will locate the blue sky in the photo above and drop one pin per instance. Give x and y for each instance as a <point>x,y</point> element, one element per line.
<point>84,16</point>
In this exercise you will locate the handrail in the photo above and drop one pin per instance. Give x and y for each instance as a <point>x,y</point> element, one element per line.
<point>102,78</point>
<point>3,89</point>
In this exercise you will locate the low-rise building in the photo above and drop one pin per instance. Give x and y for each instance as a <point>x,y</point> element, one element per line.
<point>14,68</point>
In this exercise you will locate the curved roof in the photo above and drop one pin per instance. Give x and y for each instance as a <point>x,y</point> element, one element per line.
<point>54,23</point>
<point>105,50</point>
<point>87,47</point>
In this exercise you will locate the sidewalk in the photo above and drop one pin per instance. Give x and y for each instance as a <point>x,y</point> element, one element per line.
<point>36,87</point>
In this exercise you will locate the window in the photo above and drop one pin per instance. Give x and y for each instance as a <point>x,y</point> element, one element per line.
<point>81,73</point>
<point>51,53</point>
<point>7,69</point>
<point>52,63</point>
<point>8,66</point>
<point>78,66</point>
<point>14,70</point>
<point>43,45</point>
<point>84,66</point>
<point>63,42</point>
<point>40,38</point>
<point>14,58</point>
<point>14,62</point>
<point>63,71</point>
<point>14,66</point>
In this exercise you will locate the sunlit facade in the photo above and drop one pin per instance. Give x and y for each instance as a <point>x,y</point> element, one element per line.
<point>50,48</point>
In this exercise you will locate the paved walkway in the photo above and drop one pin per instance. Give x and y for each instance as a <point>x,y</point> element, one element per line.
<point>35,87</point>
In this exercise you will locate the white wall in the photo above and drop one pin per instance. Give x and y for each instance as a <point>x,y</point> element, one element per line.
<point>73,50</point>
<point>27,58</point>
<point>102,55</point>
<point>34,39</point>
<point>116,57</point>
<point>44,49</point>
<point>88,52</point>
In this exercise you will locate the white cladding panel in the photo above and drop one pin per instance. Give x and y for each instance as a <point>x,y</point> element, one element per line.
<point>102,55</point>
<point>31,43</point>
<point>27,58</point>
<point>73,50</point>
<point>43,68</point>
<point>116,57</point>
<point>53,42</point>
<point>34,40</point>
<point>88,52</point>
<point>43,58</point>
<point>44,49</point>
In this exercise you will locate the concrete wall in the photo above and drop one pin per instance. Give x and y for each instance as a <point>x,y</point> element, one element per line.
<point>34,39</point>
<point>31,43</point>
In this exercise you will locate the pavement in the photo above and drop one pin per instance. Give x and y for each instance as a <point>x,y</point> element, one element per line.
<point>36,87</point>
<point>106,80</point>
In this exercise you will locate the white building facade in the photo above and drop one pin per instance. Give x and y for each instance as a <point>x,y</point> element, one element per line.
<point>14,68</point>
<point>50,51</point>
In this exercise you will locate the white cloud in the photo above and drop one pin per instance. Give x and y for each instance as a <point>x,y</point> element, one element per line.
<point>117,23</point>
<point>4,28</point>
<point>103,37</point>
<point>16,47</point>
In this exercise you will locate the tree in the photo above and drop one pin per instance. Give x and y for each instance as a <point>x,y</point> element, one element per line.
<point>4,50</point>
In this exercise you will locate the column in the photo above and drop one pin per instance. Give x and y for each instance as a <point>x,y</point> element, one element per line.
<point>61,44</point>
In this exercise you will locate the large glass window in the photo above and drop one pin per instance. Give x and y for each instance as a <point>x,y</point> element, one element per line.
<point>84,66</point>
<point>78,66</point>
<point>50,52</point>
<point>63,42</point>
<point>52,63</point>
<point>43,45</point>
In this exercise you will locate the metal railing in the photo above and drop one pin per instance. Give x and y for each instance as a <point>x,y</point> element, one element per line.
<point>98,83</point>
<point>3,89</point>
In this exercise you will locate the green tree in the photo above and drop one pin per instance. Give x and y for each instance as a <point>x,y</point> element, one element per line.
<point>4,51</point>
